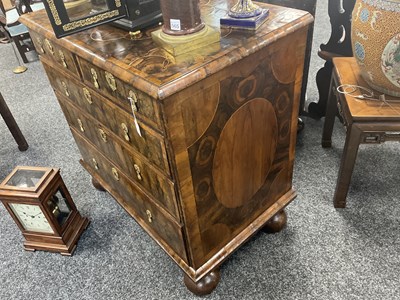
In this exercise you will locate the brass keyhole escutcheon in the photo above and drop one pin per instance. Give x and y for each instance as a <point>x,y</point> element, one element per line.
<point>81,125</point>
<point>95,78</point>
<point>65,88</point>
<point>103,135</point>
<point>115,173</point>
<point>111,81</point>
<point>49,46</point>
<point>87,95</point>
<point>134,100</point>
<point>64,63</point>
<point>149,216</point>
<point>95,164</point>
<point>138,172</point>
<point>126,132</point>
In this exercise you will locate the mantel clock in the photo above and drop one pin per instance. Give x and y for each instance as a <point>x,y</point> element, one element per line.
<point>42,207</point>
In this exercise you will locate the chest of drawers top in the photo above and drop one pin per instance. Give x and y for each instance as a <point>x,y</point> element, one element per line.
<point>145,66</point>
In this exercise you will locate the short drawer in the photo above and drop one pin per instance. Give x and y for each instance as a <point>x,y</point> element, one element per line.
<point>121,93</point>
<point>138,170</point>
<point>50,50</point>
<point>148,214</point>
<point>150,144</point>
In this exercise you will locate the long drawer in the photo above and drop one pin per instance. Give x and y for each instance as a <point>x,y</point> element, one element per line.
<point>121,93</point>
<point>141,172</point>
<point>149,144</point>
<point>57,54</point>
<point>148,214</point>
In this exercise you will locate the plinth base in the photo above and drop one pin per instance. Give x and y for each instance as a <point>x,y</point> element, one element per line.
<point>177,45</point>
<point>245,23</point>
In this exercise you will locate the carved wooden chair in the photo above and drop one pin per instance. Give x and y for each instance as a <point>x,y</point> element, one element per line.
<point>339,44</point>
<point>14,30</point>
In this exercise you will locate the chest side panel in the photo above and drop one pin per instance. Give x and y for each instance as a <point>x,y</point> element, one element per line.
<point>233,138</point>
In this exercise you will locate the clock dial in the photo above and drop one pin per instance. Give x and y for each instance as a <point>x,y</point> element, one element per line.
<point>31,217</point>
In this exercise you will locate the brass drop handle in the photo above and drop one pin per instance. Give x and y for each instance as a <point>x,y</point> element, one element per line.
<point>62,56</point>
<point>95,164</point>
<point>95,78</point>
<point>126,132</point>
<point>149,216</point>
<point>81,125</point>
<point>103,135</point>
<point>115,173</point>
<point>111,81</point>
<point>87,95</point>
<point>134,100</point>
<point>138,172</point>
<point>49,46</point>
<point>40,45</point>
<point>65,88</point>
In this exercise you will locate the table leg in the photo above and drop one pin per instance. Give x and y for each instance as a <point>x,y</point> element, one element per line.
<point>353,138</point>
<point>12,125</point>
<point>331,111</point>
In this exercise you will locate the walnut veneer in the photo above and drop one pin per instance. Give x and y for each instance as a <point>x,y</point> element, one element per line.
<point>210,161</point>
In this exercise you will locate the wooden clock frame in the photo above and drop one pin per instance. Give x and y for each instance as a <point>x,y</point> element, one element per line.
<point>65,237</point>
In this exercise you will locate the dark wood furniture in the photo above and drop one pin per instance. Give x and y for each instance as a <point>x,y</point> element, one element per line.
<point>339,44</point>
<point>198,148</point>
<point>12,125</point>
<point>366,121</point>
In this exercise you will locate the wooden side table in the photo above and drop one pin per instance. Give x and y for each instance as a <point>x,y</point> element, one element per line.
<point>366,121</point>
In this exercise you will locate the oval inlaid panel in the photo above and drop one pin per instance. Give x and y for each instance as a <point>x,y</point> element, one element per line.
<point>245,152</point>
<point>199,111</point>
<point>283,65</point>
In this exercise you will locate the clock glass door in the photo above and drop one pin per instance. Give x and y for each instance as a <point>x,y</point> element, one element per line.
<point>59,207</point>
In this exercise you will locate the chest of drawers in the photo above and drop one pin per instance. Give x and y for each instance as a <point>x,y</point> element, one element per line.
<point>198,149</point>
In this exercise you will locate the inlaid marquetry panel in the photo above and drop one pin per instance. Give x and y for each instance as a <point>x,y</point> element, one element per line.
<point>239,155</point>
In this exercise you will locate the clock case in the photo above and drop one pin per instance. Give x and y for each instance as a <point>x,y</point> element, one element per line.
<point>131,15</point>
<point>65,236</point>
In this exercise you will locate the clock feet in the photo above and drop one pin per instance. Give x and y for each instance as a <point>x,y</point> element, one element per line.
<point>205,285</point>
<point>69,253</point>
<point>276,223</point>
<point>29,249</point>
<point>97,185</point>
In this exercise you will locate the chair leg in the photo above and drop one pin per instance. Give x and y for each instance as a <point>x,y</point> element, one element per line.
<point>20,48</point>
<point>12,125</point>
<point>331,110</point>
<point>353,138</point>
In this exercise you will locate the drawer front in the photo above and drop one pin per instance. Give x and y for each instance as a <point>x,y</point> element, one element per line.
<point>150,215</point>
<point>143,174</point>
<point>50,50</point>
<point>150,144</point>
<point>129,98</point>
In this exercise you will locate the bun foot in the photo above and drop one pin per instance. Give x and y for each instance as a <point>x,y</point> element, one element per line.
<point>205,285</point>
<point>276,223</point>
<point>97,185</point>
